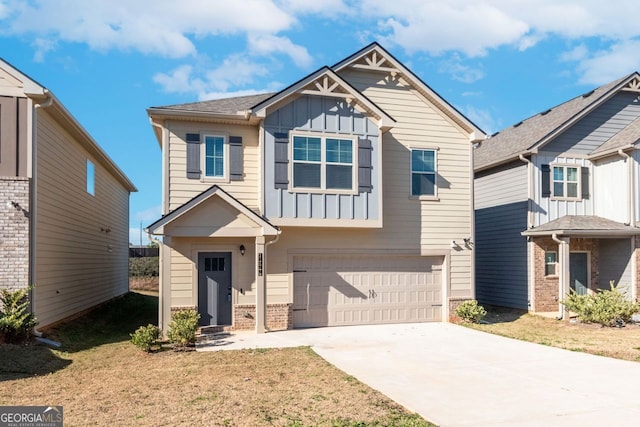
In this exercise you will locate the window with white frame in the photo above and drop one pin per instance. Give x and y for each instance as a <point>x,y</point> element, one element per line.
<point>423,172</point>
<point>566,181</point>
<point>214,156</point>
<point>91,178</point>
<point>550,263</point>
<point>323,162</point>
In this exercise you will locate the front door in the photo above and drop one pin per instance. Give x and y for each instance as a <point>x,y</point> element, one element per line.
<point>214,288</point>
<point>579,272</point>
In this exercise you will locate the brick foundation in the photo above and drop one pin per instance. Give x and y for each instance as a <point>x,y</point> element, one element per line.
<point>545,296</point>
<point>454,302</point>
<point>14,232</point>
<point>279,317</point>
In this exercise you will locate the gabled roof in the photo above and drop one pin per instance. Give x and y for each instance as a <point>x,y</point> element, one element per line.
<point>375,57</point>
<point>623,139</point>
<point>214,191</point>
<point>325,82</point>
<point>583,225</point>
<point>235,105</point>
<point>531,134</point>
<point>43,96</point>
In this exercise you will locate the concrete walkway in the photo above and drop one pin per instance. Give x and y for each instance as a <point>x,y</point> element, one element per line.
<point>454,376</point>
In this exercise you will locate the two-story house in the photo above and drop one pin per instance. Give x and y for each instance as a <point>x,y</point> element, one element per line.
<point>64,205</point>
<point>345,198</point>
<point>557,204</point>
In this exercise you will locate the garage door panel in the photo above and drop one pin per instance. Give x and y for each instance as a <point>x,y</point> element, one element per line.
<point>351,290</point>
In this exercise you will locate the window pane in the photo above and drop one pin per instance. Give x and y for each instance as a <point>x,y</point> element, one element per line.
<point>218,167</point>
<point>572,174</point>
<point>209,166</point>
<point>558,173</point>
<point>572,189</point>
<point>306,148</point>
<point>306,175</point>
<point>91,174</point>
<point>550,270</point>
<point>550,257</point>
<point>423,161</point>
<point>339,150</point>
<point>339,177</point>
<point>423,184</point>
<point>558,189</point>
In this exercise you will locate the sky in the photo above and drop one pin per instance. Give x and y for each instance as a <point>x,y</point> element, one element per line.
<point>496,61</point>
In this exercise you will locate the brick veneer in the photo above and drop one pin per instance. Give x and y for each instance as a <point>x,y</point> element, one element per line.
<point>279,317</point>
<point>454,302</point>
<point>636,254</point>
<point>546,287</point>
<point>14,232</point>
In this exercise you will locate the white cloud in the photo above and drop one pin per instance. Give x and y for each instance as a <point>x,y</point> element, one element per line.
<point>136,238</point>
<point>607,65</point>
<point>458,71</point>
<point>42,46</point>
<point>328,8</point>
<point>482,118</point>
<point>265,45</point>
<point>149,215</point>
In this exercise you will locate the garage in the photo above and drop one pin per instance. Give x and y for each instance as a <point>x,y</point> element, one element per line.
<point>366,289</point>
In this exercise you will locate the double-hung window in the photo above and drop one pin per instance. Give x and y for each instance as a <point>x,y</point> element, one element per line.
<point>423,173</point>
<point>322,162</point>
<point>214,154</point>
<point>566,182</point>
<point>550,263</point>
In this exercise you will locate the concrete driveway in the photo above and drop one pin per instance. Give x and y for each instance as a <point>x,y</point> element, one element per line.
<point>454,376</point>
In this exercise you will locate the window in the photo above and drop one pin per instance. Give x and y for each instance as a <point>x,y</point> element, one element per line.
<point>423,172</point>
<point>214,149</point>
<point>322,162</point>
<point>566,182</point>
<point>550,262</point>
<point>91,179</point>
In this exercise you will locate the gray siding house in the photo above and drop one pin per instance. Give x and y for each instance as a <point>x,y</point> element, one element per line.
<point>556,202</point>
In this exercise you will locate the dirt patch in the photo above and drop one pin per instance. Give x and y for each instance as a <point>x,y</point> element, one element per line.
<point>620,343</point>
<point>147,284</point>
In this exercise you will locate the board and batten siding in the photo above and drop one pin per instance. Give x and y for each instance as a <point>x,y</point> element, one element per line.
<point>502,200</point>
<point>547,209</point>
<point>611,195</point>
<point>597,127</point>
<point>320,116</point>
<point>183,189</point>
<point>81,256</point>
<point>13,136</point>
<point>408,222</point>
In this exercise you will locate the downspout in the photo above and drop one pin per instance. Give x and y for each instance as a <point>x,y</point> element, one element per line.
<point>34,200</point>
<point>531,278</point>
<point>264,273</point>
<point>561,277</point>
<point>630,219</point>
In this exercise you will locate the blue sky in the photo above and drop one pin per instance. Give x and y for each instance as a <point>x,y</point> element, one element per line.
<point>497,61</point>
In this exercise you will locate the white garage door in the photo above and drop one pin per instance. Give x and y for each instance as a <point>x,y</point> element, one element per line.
<point>363,289</point>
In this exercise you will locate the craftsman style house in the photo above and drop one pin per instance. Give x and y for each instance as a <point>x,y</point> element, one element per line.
<point>557,202</point>
<point>344,199</point>
<point>64,207</point>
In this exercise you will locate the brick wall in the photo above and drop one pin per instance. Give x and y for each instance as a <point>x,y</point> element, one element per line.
<point>279,317</point>
<point>546,287</point>
<point>14,232</point>
<point>454,302</point>
<point>636,254</point>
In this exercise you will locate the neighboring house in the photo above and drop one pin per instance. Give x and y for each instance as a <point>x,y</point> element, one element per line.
<point>344,199</point>
<point>557,202</point>
<point>64,205</point>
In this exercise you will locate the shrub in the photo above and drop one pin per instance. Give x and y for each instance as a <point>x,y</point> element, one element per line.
<point>16,320</point>
<point>606,307</point>
<point>182,328</point>
<point>144,267</point>
<point>471,311</point>
<point>146,338</point>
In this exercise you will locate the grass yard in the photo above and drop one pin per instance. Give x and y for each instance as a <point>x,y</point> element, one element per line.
<point>101,379</point>
<point>620,343</point>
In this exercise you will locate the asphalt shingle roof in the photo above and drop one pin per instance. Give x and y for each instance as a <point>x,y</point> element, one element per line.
<point>629,135</point>
<point>577,224</point>
<point>220,106</point>
<point>523,136</point>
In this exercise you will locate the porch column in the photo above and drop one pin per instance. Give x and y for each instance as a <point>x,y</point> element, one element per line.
<point>261,306</point>
<point>564,286</point>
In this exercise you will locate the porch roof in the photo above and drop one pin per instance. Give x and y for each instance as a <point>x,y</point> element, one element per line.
<point>583,225</point>
<point>260,224</point>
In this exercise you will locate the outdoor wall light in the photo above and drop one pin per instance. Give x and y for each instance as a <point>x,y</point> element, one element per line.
<point>242,250</point>
<point>454,245</point>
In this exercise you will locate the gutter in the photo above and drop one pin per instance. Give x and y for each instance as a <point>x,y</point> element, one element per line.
<point>561,277</point>
<point>34,199</point>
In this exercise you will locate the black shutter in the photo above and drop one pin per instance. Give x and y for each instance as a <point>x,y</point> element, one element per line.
<point>585,182</point>
<point>546,180</point>
<point>364,166</point>
<point>281,160</point>
<point>193,156</point>
<point>235,158</point>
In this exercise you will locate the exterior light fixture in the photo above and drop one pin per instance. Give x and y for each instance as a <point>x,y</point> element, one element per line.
<point>242,250</point>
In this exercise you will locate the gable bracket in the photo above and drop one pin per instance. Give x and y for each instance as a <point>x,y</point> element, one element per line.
<point>632,86</point>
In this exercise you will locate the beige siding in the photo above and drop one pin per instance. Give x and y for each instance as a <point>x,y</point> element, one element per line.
<point>182,189</point>
<point>78,263</point>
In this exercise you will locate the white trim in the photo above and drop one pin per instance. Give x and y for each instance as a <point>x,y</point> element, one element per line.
<point>433,196</point>
<point>225,160</point>
<point>565,181</point>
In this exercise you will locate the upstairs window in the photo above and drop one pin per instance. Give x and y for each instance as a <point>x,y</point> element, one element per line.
<point>214,149</point>
<point>91,178</point>
<point>566,182</point>
<point>322,162</point>
<point>423,173</point>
